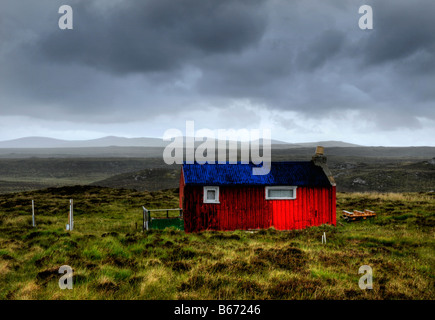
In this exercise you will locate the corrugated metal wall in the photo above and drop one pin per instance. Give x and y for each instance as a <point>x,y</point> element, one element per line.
<point>245,207</point>
<point>312,207</point>
<point>181,190</point>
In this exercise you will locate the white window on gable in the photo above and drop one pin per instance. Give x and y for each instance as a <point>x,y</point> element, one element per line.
<point>211,194</point>
<point>281,193</point>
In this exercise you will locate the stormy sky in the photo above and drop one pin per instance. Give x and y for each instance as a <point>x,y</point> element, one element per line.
<point>302,68</point>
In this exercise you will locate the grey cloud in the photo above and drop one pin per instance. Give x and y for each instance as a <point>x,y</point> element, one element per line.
<point>401,29</point>
<point>155,35</point>
<point>321,50</point>
<point>126,60</point>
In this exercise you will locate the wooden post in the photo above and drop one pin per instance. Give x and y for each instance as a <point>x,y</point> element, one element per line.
<point>146,218</point>
<point>33,214</point>
<point>71,216</point>
<point>68,227</point>
<point>143,219</point>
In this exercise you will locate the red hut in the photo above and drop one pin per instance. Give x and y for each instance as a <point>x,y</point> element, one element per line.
<point>294,195</point>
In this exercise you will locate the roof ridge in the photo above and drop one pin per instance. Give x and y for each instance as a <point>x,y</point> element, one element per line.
<point>250,162</point>
<point>295,173</point>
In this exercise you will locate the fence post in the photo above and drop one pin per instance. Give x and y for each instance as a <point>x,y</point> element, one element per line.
<point>33,214</point>
<point>70,224</point>
<point>146,219</point>
<point>72,214</point>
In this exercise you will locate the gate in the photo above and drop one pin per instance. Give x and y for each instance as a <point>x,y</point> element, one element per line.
<point>161,223</point>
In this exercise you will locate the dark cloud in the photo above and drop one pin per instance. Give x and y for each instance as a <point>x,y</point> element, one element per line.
<point>155,35</point>
<point>321,50</point>
<point>401,30</point>
<point>139,59</point>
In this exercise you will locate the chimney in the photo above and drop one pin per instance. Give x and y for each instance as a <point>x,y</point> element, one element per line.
<point>319,158</point>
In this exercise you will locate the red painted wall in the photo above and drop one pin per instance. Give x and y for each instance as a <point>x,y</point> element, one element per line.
<point>245,207</point>
<point>181,190</point>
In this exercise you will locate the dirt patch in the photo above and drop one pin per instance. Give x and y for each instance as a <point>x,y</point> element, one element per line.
<point>47,275</point>
<point>181,266</point>
<point>380,250</point>
<point>218,267</point>
<point>291,288</point>
<point>168,244</point>
<point>258,264</point>
<point>232,267</point>
<point>6,257</point>
<point>40,262</point>
<point>122,262</point>
<point>107,286</point>
<point>217,284</point>
<point>288,258</point>
<point>134,281</point>
<point>195,282</point>
<point>33,235</point>
<point>224,236</point>
<point>348,258</point>
<point>352,293</point>
<point>91,266</point>
<point>425,222</point>
<point>74,259</point>
<point>71,244</point>
<point>129,239</point>
<point>250,288</point>
<point>112,234</point>
<point>179,253</point>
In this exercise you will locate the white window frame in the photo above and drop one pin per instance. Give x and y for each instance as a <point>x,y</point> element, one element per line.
<point>281,188</point>
<point>216,189</point>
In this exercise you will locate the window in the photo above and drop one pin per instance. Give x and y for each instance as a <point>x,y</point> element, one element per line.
<point>273,193</point>
<point>211,194</point>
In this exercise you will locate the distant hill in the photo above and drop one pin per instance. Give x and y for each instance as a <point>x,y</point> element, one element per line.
<point>44,142</point>
<point>152,179</point>
<point>326,144</point>
<point>112,141</point>
<point>360,170</point>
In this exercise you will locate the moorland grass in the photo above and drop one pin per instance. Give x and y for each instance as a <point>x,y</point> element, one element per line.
<point>113,259</point>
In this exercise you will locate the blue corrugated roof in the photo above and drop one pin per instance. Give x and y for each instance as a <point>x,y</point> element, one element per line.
<point>301,173</point>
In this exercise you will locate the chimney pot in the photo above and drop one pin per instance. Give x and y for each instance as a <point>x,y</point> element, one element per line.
<point>319,157</point>
<point>319,150</point>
